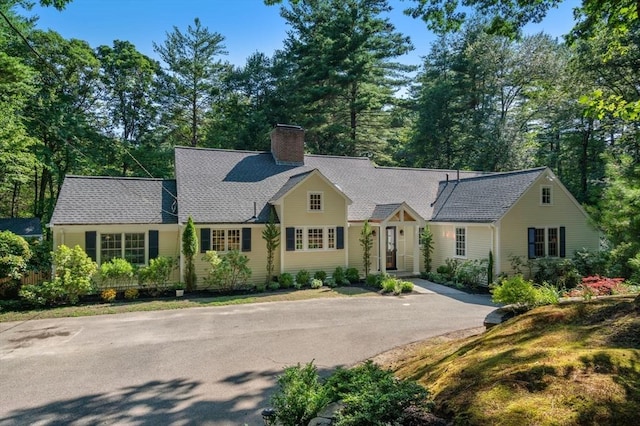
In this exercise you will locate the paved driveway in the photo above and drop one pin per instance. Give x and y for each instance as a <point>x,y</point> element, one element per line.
<point>203,365</point>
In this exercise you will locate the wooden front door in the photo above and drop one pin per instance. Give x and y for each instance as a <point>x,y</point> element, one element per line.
<point>391,248</point>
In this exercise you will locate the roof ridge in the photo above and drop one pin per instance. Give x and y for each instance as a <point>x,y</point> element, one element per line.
<point>503,174</point>
<point>241,151</point>
<point>349,157</point>
<point>119,178</point>
<point>420,169</point>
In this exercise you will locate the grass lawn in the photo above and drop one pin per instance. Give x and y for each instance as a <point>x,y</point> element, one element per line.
<point>184,302</point>
<point>572,364</point>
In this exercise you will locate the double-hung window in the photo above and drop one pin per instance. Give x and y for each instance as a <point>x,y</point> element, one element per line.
<point>546,242</point>
<point>315,202</point>
<point>315,238</point>
<point>225,239</point>
<point>545,195</point>
<point>461,242</point>
<point>128,246</point>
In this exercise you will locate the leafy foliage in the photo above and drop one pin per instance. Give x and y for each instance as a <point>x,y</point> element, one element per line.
<point>366,242</point>
<point>229,272</point>
<point>303,277</point>
<point>14,255</point>
<point>286,280</point>
<point>300,395</point>
<point>426,239</point>
<point>156,276</point>
<point>116,272</point>
<point>271,236</point>
<point>516,290</point>
<point>353,276</point>
<point>189,249</point>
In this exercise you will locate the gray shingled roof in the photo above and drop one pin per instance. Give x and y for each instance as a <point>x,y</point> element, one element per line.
<point>482,199</point>
<point>221,186</point>
<point>289,185</point>
<point>109,200</point>
<point>383,211</point>
<point>25,227</point>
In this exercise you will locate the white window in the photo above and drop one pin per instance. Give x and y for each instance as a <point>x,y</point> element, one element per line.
<point>545,195</point>
<point>461,242</point>
<point>225,239</point>
<point>315,238</point>
<point>133,249</point>
<point>315,201</point>
<point>299,239</point>
<point>547,242</point>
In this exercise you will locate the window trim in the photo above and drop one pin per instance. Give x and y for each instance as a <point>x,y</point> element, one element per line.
<point>226,238</point>
<point>309,204</point>
<point>455,244</point>
<point>545,244</point>
<point>542,195</point>
<point>123,247</point>
<point>303,231</point>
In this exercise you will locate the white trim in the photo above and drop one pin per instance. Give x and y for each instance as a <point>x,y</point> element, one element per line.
<point>455,242</point>
<point>309,194</point>
<point>325,238</point>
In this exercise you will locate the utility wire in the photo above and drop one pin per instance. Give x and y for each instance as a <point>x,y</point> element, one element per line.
<point>57,76</point>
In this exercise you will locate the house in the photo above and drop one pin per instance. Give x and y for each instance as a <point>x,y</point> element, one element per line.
<point>25,227</point>
<point>320,204</point>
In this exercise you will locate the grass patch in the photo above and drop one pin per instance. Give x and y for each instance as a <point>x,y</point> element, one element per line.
<point>182,303</point>
<point>571,364</point>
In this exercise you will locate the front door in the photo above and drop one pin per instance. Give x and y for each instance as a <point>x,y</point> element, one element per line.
<point>391,248</point>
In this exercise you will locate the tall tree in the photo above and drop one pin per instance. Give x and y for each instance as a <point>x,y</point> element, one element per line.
<point>344,76</point>
<point>129,81</point>
<point>193,78</point>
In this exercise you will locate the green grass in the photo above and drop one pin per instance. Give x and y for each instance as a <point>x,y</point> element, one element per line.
<point>142,305</point>
<point>571,364</point>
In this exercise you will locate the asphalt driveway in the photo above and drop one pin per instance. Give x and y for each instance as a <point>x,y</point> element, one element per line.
<point>214,365</point>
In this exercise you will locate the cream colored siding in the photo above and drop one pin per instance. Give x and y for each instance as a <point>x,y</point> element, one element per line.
<point>478,242</point>
<point>257,256</point>
<point>168,238</point>
<point>355,249</point>
<point>297,215</point>
<point>529,212</point>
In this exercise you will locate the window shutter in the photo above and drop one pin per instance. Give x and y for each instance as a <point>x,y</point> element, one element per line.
<point>90,244</point>
<point>246,239</point>
<point>532,242</point>
<point>153,244</point>
<point>563,251</point>
<point>340,237</point>
<point>205,239</point>
<point>291,239</point>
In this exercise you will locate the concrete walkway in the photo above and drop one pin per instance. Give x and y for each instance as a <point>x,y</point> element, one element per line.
<point>422,286</point>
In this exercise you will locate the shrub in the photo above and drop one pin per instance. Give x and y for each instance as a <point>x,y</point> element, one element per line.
<point>406,287</point>
<point>303,277</point>
<point>353,275</point>
<point>373,396</point>
<point>46,293</point>
<point>560,272</point>
<point>286,280</point>
<point>339,275</point>
<point>14,255</point>
<point>472,273</point>
<point>320,275</point>
<point>229,272</point>
<point>131,293</point>
<point>588,262</point>
<point>108,295</point>
<point>274,285</point>
<point>548,294</point>
<point>297,285</point>
<point>300,395</point>
<point>189,249</point>
<point>261,287</point>
<point>436,277</point>
<point>389,285</point>
<point>515,290</point>
<point>596,285</point>
<point>443,270</point>
<point>316,283</point>
<point>115,273</point>
<point>157,274</point>
<point>331,283</point>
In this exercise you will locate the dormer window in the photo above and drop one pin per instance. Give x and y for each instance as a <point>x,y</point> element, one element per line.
<point>315,201</point>
<point>545,196</point>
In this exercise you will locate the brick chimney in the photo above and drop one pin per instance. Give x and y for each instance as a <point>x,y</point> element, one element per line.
<point>287,145</point>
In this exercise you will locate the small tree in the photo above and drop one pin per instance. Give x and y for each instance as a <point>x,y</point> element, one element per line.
<point>271,234</point>
<point>14,255</point>
<point>189,249</point>
<point>427,247</point>
<point>366,241</point>
<point>228,272</point>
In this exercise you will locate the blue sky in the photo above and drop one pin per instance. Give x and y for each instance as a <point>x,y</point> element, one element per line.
<point>247,25</point>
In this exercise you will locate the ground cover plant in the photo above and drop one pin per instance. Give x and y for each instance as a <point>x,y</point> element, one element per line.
<point>575,363</point>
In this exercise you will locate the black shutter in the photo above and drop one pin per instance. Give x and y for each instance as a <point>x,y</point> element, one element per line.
<point>291,239</point>
<point>563,251</point>
<point>246,239</point>
<point>205,239</point>
<point>153,244</point>
<point>340,237</point>
<point>90,244</point>
<point>532,242</point>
